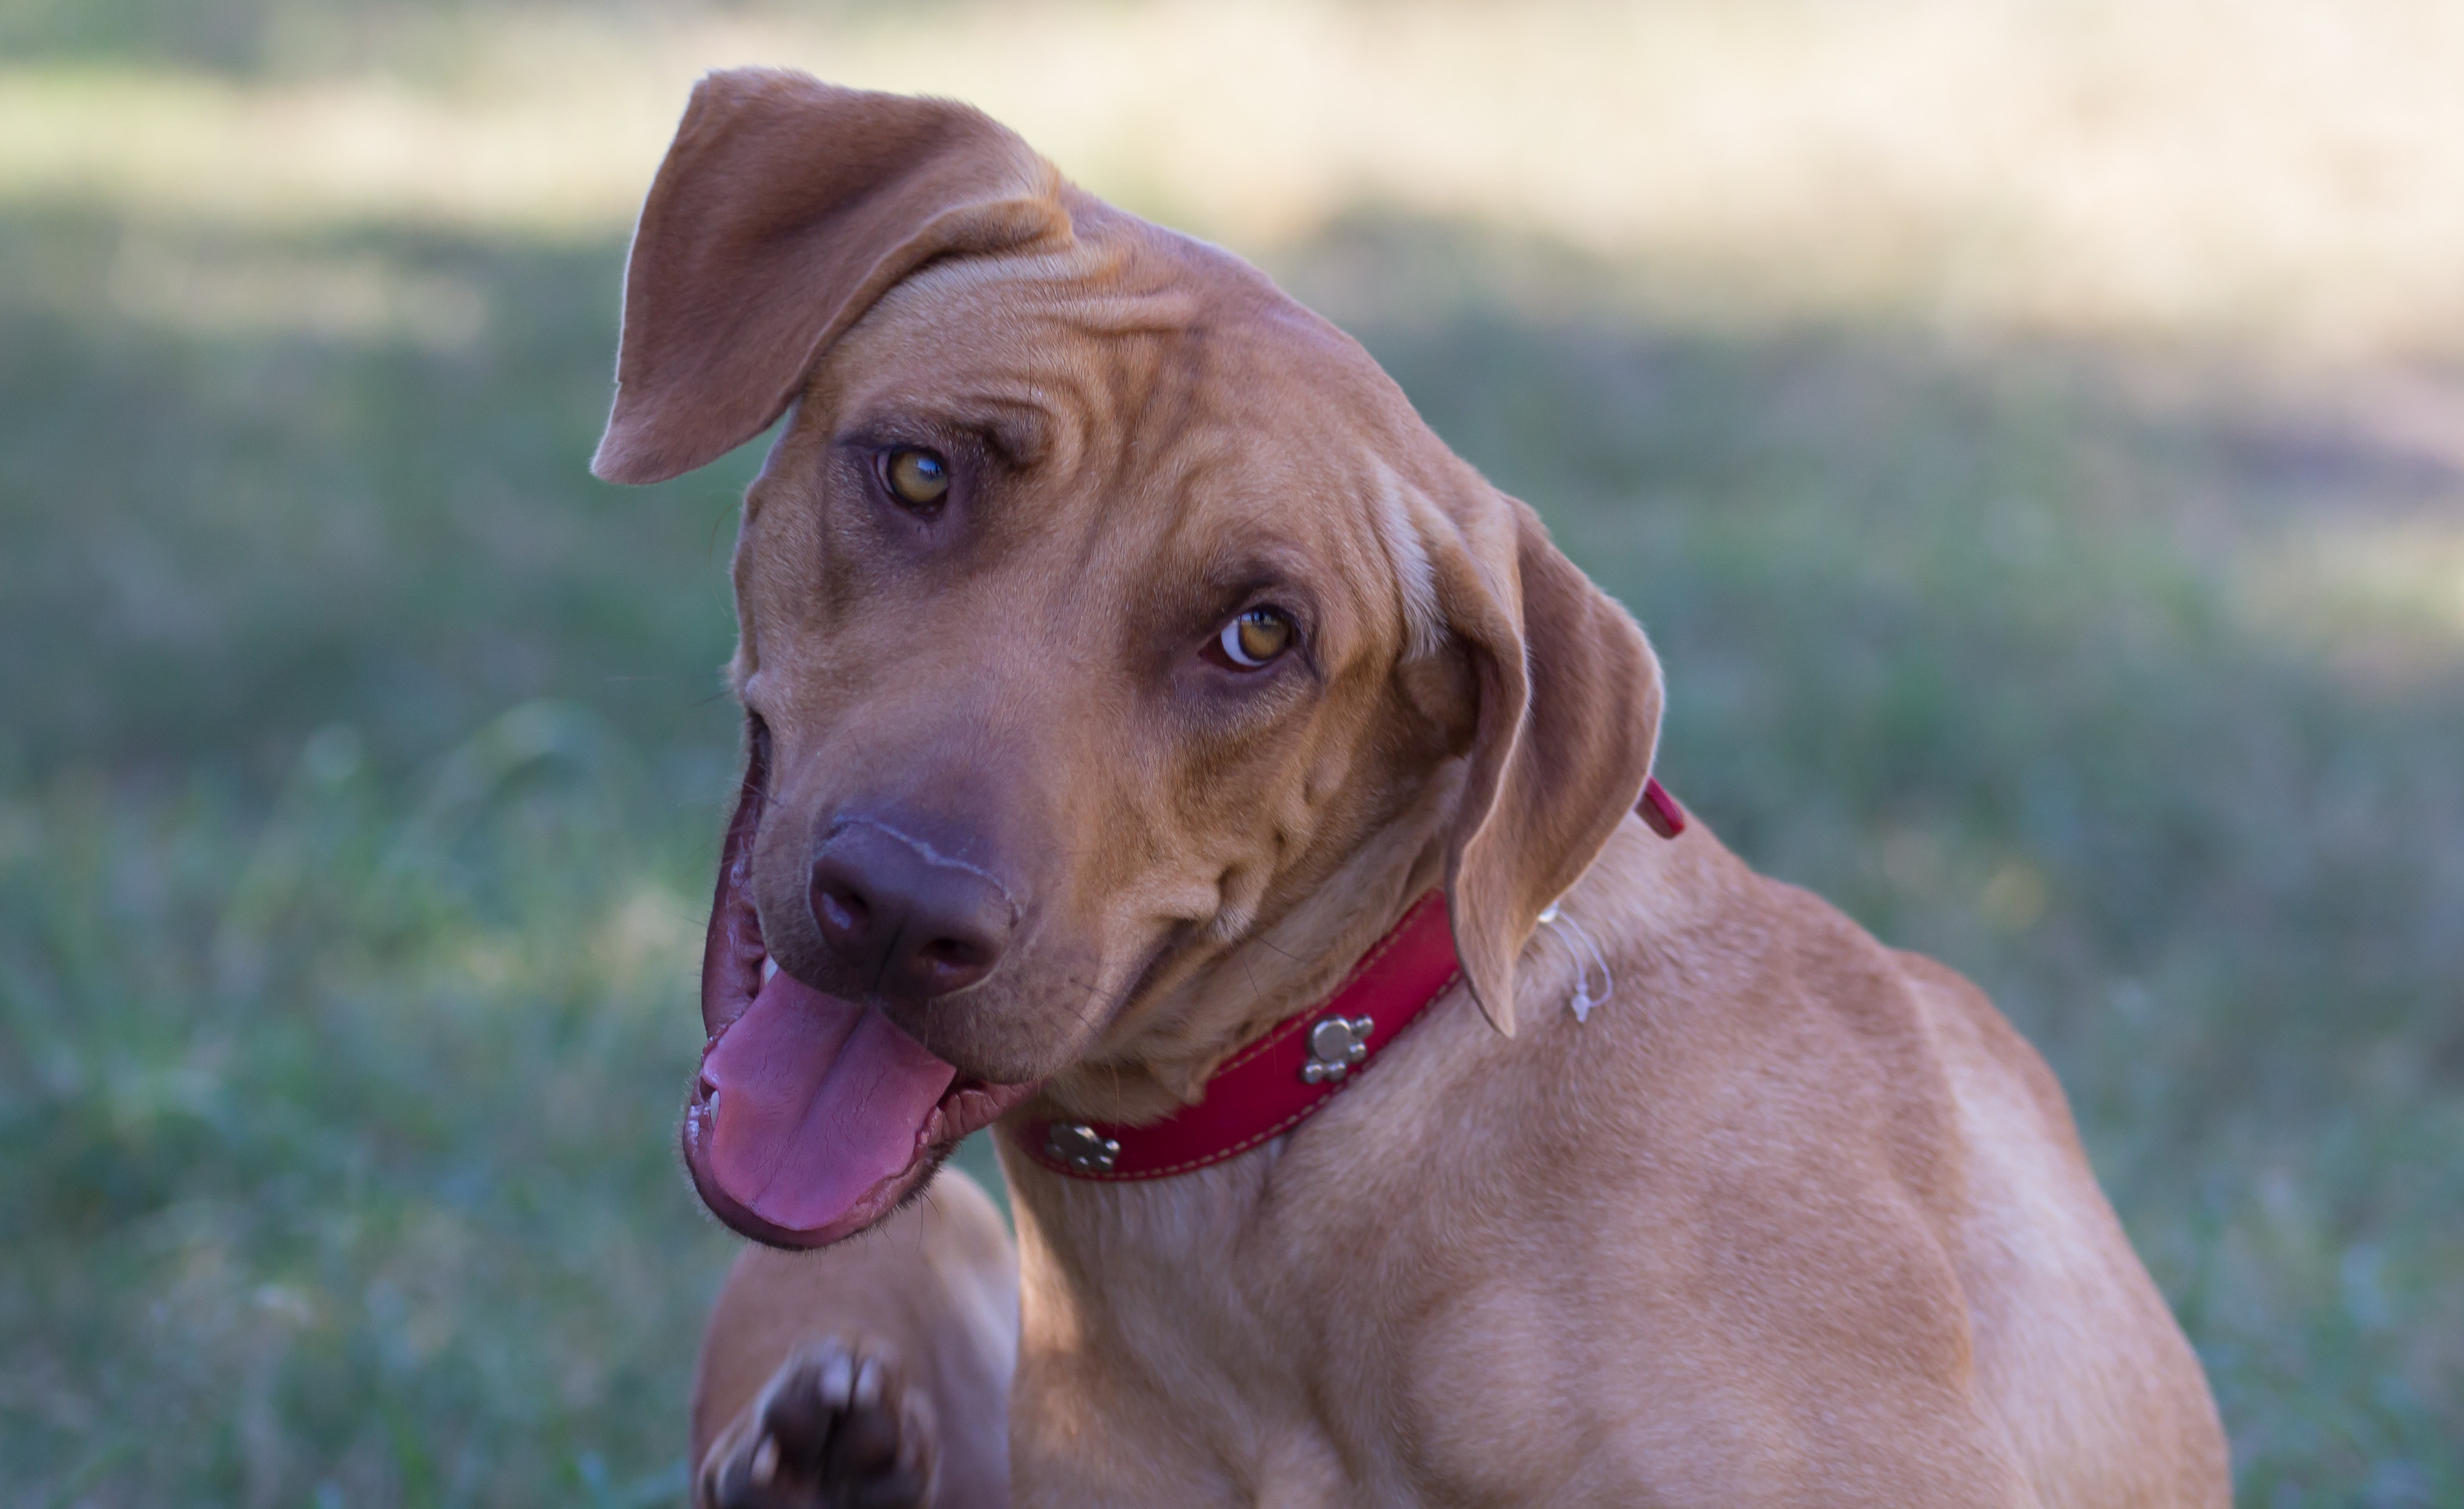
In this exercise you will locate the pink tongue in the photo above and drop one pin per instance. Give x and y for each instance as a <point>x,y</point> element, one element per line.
<point>818,1101</point>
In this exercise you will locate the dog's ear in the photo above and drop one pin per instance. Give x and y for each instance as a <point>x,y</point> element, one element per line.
<point>1569,709</point>
<point>784,210</point>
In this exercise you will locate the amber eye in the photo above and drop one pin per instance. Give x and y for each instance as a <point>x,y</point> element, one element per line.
<point>919,478</point>
<point>1256,638</point>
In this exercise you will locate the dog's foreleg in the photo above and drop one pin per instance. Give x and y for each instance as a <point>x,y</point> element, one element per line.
<point>870,1375</point>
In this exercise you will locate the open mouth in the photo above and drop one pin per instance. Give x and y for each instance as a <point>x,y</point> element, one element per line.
<point>812,1117</point>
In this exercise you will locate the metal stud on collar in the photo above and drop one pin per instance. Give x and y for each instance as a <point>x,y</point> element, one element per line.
<point>1082,1147</point>
<point>1335,1046</point>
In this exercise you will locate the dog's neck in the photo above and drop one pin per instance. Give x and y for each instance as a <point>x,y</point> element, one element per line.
<point>1206,1004</point>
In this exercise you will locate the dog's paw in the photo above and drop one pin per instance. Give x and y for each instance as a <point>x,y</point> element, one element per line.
<point>837,1429</point>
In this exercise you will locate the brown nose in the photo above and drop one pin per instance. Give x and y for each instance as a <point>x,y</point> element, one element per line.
<point>909,923</point>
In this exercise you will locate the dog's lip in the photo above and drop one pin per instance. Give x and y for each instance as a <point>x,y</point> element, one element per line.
<point>734,967</point>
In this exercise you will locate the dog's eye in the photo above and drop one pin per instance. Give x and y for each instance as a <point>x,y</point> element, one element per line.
<point>1255,637</point>
<point>918,477</point>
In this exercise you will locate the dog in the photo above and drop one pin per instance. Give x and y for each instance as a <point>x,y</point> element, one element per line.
<point>1162,749</point>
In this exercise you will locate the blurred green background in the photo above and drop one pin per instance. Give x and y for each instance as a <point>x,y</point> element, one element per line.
<point>2033,432</point>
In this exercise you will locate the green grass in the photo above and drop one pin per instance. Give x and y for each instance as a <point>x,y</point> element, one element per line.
<point>362,763</point>
<point>365,759</point>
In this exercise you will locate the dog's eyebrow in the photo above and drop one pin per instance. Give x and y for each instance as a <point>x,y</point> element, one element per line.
<point>1014,432</point>
<point>1229,578</point>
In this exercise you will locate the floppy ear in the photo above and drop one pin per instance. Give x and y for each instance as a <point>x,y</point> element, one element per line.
<point>1570,700</point>
<point>785,207</point>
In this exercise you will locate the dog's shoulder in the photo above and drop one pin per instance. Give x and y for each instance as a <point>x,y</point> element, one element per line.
<point>1708,959</point>
<point>1754,1041</point>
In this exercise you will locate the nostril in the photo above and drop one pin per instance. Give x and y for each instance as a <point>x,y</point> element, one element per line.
<point>840,910</point>
<point>897,918</point>
<point>942,964</point>
<point>957,953</point>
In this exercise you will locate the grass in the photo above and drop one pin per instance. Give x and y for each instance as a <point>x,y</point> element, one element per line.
<point>362,762</point>
<point>347,871</point>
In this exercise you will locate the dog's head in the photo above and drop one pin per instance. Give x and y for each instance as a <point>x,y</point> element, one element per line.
<point>1099,607</point>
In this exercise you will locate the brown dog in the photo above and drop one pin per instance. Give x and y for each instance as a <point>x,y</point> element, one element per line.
<point>1123,657</point>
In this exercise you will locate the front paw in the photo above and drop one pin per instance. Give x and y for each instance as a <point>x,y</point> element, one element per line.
<point>836,1429</point>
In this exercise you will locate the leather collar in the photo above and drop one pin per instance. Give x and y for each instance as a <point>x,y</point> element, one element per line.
<point>1283,1077</point>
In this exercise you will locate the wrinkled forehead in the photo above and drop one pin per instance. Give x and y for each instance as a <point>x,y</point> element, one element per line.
<point>1120,371</point>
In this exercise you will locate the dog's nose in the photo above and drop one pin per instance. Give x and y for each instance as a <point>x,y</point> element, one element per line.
<point>908,923</point>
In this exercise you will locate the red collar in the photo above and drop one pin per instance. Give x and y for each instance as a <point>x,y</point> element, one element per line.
<point>1288,1075</point>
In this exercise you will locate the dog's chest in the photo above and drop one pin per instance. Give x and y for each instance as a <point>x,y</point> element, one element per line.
<point>1297,1358</point>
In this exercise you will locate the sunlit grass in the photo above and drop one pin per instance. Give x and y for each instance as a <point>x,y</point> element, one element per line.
<point>2288,173</point>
